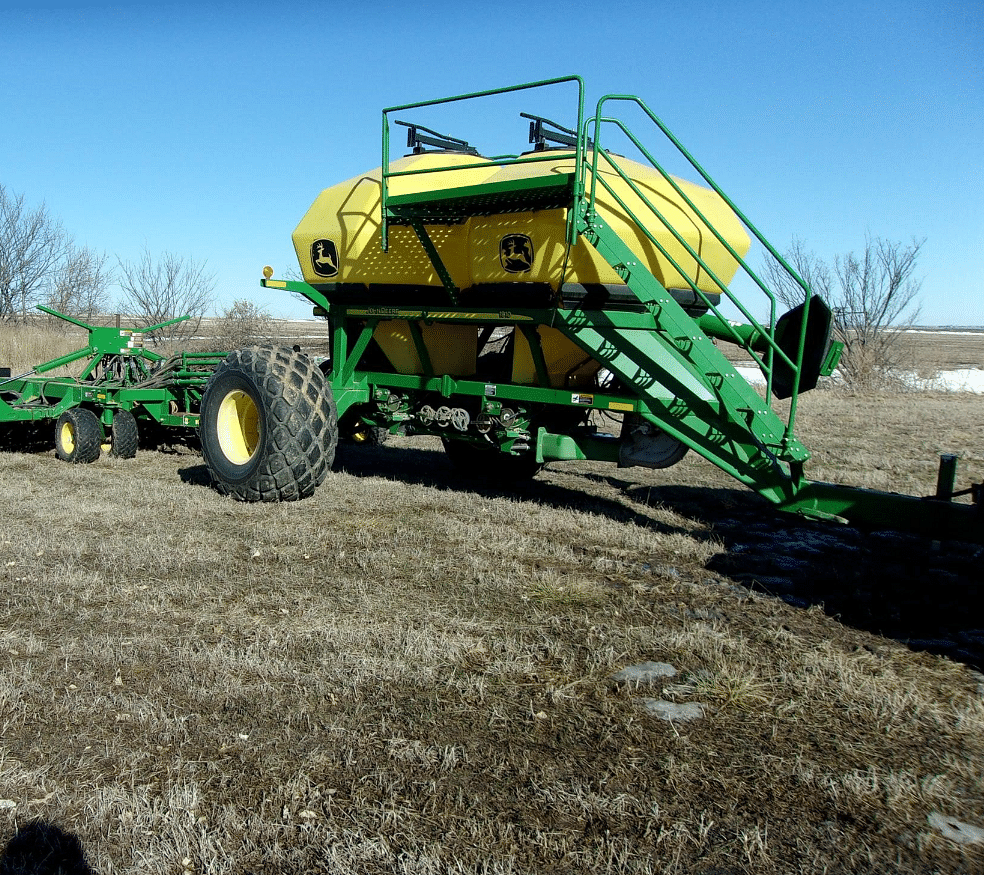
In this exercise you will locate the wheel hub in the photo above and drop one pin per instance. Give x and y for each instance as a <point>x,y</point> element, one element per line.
<point>68,437</point>
<point>238,427</point>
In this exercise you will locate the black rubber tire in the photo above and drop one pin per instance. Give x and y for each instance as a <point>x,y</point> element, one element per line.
<point>124,437</point>
<point>473,460</point>
<point>268,425</point>
<point>78,436</point>
<point>352,430</point>
<point>374,436</point>
<point>659,449</point>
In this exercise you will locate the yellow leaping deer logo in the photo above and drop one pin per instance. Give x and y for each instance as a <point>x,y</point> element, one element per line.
<point>516,253</point>
<point>324,258</point>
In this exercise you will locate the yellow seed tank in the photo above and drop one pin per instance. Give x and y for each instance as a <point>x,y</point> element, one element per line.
<point>338,241</point>
<point>511,259</point>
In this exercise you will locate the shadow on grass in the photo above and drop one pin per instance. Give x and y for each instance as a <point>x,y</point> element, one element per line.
<point>900,586</point>
<point>417,466</point>
<point>195,475</point>
<point>41,848</point>
<point>885,583</point>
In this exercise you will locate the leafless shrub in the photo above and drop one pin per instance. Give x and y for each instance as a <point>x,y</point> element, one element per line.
<point>32,245</point>
<point>873,297</point>
<point>158,290</point>
<point>79,285</point>
<point>244,323</point>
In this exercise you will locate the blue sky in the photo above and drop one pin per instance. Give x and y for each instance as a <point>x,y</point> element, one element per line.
<point>208,128</point>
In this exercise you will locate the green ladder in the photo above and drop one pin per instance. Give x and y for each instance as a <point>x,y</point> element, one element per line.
<point>684,384</point>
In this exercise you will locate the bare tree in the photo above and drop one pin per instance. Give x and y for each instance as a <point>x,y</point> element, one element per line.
<point>873,297</point>
<point>78,285</point>
<point>32,245</point>
<point>159,290</point>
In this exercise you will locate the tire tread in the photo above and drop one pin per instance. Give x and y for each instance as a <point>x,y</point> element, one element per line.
<point>302,424</point>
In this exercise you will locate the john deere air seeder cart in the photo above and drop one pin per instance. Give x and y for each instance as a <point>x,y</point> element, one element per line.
<point>502,302</point>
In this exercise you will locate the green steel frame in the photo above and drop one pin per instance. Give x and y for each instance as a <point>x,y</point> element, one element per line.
<point>121,374</point>
<point>668,370</point>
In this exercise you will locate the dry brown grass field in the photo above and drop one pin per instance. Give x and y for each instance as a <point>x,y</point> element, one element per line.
<point>412,673</point>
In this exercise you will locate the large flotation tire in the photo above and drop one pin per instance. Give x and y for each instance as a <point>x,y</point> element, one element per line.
<point>268,425</point>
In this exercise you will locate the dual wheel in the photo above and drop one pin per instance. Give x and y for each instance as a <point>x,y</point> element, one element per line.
<point>268,425</point>
<point>79,436</point>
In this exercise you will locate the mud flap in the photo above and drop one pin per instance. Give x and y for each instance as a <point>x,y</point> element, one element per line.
<point>816,349</point>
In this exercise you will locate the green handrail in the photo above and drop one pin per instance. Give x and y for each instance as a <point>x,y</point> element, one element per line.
<point>768,334</point>
<point>740,338</point>
<point>501,160</point>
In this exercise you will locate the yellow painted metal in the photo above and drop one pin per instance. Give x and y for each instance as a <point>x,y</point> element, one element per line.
<point>238,427</point>
<point>452,349</point>
<point>396,313</point>
<point>338,242</point>
<point>547,229</point>
<point>568,365</point>
<point>67,437</point>
<point>348,214</point>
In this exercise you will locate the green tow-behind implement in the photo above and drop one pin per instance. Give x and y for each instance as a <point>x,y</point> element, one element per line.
<point>503,302</point>
<point>124,389</point>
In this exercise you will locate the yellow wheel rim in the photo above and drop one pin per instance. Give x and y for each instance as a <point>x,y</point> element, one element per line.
<point>238,426</point>
<point>67,437</point>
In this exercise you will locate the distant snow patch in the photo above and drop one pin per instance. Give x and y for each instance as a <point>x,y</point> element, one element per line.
<point>959,380</point>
